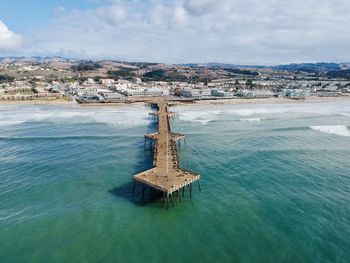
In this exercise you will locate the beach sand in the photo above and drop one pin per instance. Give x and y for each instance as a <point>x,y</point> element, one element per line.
<point>270,100</point>
<point>198,102</point>
<point>38,102</point>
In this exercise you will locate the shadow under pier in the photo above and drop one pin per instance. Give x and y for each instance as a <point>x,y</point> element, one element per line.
<point>166,176</point>
<point>166,180</point>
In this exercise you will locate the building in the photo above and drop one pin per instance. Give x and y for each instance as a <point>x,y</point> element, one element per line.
<point>206,93</point>
<point>141,91</point>
<point>137,80</point>
<point>107,82</point>
<point>296,93</point>
<point>255,93</point>
<point>109,95</point>
<point>191,93</point>
<point>221,93</point>
<point>196,93</point>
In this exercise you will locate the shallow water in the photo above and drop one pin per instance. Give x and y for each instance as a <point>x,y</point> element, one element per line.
<point>275,185</point>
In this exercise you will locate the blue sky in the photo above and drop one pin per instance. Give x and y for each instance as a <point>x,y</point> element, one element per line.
<point>175,31</point>
<point>23,15</point>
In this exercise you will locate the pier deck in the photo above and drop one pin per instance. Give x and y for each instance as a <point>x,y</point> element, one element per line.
<point>166,176</point>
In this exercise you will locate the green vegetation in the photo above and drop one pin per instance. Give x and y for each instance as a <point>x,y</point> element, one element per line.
<point>86,66</point>
<point>158,74</point>
<point>6,78</point>
<point>309,67</point>
<point>141,64</point>
<point>98,78</point>
<point>78,79</point>
<point>125,73</point>
<point>249,82</point>
<point>344,74</point>
<point>162,75</point>
<point>81,80</point>
<point>242,71</point>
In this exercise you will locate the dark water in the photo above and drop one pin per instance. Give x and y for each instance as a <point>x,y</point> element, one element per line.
<point>275,185</point>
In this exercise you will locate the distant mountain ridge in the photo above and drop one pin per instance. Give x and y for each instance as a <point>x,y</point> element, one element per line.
<point>36,59</point>
<point>305,67</point>
<point>309,67</point>
<point>302,67</point>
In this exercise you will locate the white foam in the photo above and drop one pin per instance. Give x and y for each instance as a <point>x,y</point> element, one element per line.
<point>204,122</point>
<point>341,130</point>
<point>252,120</point>
<point>202,117</point>
<point>252,112</point>
<point>10,123</point>
<point>118,117</point>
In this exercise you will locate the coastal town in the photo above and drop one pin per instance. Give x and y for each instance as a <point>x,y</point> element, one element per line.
<point>175,131</point>
<point>117,82</point>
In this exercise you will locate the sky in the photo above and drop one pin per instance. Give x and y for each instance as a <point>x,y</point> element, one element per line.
<point>179,31</point>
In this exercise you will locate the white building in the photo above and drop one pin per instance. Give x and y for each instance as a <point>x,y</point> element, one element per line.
<point>222,93</point>
<point>296,93</point>
<point>206,93</point>
<point>90,81</point>
<point>191,93</point>
<point>196,93</point>
<point>107,82</point>
<point>109,95</point>
<point>255,93</point>
<point>141,91</point>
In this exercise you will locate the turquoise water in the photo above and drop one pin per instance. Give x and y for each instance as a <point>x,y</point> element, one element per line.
<point>275,185</point>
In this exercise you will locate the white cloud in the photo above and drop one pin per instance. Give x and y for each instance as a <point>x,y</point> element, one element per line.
<point>237,31</point>
<point>113,14</point>
<point>158,15</point>
<point>200,7</point>
<point>60,9</point>
<point>180,17</point>
<point>8,40</point>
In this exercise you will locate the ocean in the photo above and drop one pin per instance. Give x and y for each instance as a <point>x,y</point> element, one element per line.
<point>275,184</point>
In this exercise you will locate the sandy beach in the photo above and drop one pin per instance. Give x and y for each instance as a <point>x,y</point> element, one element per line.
<point>271,100</point>
<point>38,102</point>
<point>198,102</point>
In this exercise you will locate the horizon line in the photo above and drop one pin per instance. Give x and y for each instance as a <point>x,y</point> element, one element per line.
<point>167,63</point>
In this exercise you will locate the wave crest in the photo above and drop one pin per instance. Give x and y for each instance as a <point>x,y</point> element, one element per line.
<point>252,120</point>
<point>341,130</point>
<point>118,117</point>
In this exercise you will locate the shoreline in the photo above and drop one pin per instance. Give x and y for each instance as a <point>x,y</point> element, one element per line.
<point>38,102</point>
<point>243,101</point>
<point>258,101</point>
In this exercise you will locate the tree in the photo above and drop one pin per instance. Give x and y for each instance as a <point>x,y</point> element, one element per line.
<point>6,78</point>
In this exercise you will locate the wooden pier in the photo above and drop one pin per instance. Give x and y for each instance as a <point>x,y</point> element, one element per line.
<point>166,176</point>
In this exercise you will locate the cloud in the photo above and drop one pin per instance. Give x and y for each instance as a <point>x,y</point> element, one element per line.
<point>8,40</point>
<point>180,16</point>
<point>236,31</point>
<point>200,7</point>
<point>113,14</point>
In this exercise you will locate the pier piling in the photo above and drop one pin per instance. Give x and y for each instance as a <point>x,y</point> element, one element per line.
<point>166,176</point>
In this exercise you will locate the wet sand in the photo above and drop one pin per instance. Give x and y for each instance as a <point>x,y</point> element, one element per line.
<point>234,101</point>
<point>37,102</point>
<point>271,100</point>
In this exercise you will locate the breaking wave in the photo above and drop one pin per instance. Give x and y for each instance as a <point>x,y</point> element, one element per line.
<point>252,119</point>
<point>202,117</point>
<point>119,117</point>
<point>321,108</point>
<point>341,130</point>
<point>10,123</point>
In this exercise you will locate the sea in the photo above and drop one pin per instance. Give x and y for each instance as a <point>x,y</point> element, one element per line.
<point>275,184</point>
